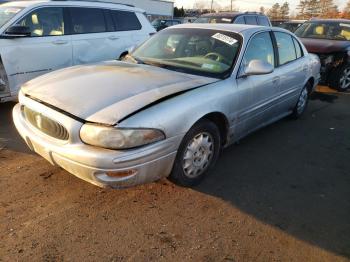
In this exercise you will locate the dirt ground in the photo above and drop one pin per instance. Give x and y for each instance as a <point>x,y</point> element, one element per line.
<point>282,194</point>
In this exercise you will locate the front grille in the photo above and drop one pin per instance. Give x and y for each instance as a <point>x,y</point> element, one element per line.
<point>45,124</point>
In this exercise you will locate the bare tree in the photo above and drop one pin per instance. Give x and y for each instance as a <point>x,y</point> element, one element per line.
<point>302,9</point>
<point>275,12</point>
<point>347,10</point>
<point>284,11</point>
<point>262,10</point>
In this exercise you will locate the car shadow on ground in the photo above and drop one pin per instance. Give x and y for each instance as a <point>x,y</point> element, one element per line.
<point>294,175</point>
<point>9,137</point>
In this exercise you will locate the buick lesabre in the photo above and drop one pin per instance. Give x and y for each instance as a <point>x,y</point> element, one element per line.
<point>169,108</point>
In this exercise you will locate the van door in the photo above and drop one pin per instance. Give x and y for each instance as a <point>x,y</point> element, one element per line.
<point>45,50</point>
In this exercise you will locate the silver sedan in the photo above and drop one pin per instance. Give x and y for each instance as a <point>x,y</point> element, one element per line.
<point>169,108</point>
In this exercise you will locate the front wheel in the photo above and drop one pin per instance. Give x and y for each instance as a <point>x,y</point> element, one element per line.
<point>341,79</point>
<point>301,105</point>
<point>197,154</point>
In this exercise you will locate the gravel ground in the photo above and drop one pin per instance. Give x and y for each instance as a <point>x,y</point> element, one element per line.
<point>282,194</point>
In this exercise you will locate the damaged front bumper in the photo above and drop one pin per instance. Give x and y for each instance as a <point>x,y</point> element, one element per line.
<point>101,167</point>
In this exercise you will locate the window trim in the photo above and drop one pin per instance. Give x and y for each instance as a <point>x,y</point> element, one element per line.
<point>301,49</point>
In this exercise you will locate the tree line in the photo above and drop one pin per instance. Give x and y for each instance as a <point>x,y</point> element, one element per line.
<point>307,9</point>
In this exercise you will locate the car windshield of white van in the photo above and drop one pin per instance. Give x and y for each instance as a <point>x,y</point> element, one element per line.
<point>194,51</point>
<point>7,12</point>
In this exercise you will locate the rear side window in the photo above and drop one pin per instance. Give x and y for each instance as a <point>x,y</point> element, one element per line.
<point>125,21</point>
<point>263,20</point>
<point>298,49</point>
<point>239,20</point>
<point>87,20</point>
<point>46,21</point>
<point>250,20</point>
<point>285,47</point>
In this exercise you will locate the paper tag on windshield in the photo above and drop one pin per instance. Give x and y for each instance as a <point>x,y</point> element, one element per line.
<point>224,38</point>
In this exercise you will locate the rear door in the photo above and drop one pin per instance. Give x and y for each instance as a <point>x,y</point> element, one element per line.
<point>292,69</point>
<point>258,94</point>
<point>93,36</point>
<point>47,48</point>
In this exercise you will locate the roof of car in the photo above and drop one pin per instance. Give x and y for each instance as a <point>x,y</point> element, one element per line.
<point>90,3</point>
<point>329,20</point>
<point>229,14</point>
<point>237,28</point>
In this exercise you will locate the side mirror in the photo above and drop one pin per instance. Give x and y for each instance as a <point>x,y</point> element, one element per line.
<point>17,31</point>
<point>258,67</point>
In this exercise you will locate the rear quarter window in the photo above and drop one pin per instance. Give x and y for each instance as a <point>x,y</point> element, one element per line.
<point>125,20</point>
<point>239,20</point>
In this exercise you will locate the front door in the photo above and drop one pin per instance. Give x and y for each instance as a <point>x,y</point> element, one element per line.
<point>47,49</point>
<point>257,93</point>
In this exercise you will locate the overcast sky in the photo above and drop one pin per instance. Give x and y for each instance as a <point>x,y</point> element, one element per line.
<point>248,5</point>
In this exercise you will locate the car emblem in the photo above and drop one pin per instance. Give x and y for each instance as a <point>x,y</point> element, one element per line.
<point>39,121</point>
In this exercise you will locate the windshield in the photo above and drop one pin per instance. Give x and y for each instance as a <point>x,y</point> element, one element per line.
<point>325,30</point>
<point>213,20</point>
<point>7,12</point>
<point>156,22</point>
<point>194,51</point>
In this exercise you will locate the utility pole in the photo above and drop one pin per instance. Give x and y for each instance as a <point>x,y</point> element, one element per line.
<point>211,7</point>
<point>231,5</point>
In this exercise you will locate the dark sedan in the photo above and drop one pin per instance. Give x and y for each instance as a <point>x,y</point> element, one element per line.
<point>330,40</point>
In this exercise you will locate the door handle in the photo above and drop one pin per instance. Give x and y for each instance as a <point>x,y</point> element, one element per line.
<point>113,37</point>
<point>60,42</point>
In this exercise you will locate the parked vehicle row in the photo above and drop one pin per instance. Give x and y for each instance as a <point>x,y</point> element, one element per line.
<point>170,107</point>
<point>37,37</point>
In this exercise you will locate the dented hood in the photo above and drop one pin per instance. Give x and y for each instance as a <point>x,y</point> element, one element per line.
<point>110,91</point>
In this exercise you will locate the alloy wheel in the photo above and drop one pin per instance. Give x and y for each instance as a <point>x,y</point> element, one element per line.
<point>345,79</point>
<point>302,101</point>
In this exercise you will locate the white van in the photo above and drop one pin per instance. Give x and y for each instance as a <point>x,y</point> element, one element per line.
<point>37,37</point>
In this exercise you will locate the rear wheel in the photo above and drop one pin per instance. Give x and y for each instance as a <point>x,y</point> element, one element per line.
<point>341,79</point>
<point>301,105</point>
<point>197,154</point>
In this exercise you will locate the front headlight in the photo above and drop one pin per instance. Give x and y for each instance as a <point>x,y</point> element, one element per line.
<point>119,138</point>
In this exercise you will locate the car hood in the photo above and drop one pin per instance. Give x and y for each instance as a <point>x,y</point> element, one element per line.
<point>324,46</point>
<point>110,91</point>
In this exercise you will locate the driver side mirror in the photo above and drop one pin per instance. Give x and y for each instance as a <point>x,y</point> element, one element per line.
<point>17,31</point>
<point>258,67</point>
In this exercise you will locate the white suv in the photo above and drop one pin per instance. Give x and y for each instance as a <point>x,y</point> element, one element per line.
<point>37,37</point>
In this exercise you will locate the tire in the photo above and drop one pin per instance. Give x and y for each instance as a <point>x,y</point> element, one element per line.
<point>341,79</point>
<point>191,167</point>
<point>302,103</point>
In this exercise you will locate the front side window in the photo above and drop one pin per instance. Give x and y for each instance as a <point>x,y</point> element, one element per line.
<point>125,21</point>
<point>46,21</point>
<point>197,51</point>
<point>7,12</point>
<point>260,48</point>
<point>285,47</point>
<point>87,20</point>
<point>325,30</point>
<point>239,20</point>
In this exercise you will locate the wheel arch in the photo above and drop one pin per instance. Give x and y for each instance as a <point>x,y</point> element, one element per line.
<point>221,121</point>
